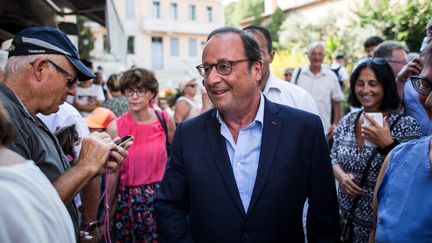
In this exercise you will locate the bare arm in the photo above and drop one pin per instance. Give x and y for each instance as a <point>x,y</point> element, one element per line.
<point>337,116</point>
<point>375,200</point>
<point>113,178</point>
<point>171,127</point>
<point>346,181</point>
<point>337,111</point>
<point>90,196</point>
<point>94,155</point>
<point>181,110</point>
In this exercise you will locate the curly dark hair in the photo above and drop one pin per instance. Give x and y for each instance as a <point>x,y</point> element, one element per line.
<point>385,77</point>
<point>137,78</point>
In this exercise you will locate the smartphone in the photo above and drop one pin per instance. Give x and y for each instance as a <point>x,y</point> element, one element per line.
<point>124,140</point>
<point>378,118</point>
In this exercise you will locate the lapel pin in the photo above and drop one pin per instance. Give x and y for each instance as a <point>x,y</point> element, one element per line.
<point>274,123</point>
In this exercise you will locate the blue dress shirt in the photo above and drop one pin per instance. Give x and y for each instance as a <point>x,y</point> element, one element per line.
<point>244,155</point>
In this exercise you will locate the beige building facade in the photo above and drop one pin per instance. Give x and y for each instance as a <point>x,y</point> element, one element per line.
<point>166,36</point>
<point>307,10</point>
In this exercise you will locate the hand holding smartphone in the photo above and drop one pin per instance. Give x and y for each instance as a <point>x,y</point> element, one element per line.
<point>124,140</point>
<point>378,118</point>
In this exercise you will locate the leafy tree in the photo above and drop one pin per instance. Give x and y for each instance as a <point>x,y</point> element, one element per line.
<point>85,38</point>
<point>229,14</point>
<point>235,12</point>
<point>404,21</point>
<point>277,19</point>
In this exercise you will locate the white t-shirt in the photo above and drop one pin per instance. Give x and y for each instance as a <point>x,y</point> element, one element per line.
<point>31,209</point>
<point>342,72</point>
<point>286,93</point>
<point>66,116</point>
<point>324,88</point>
<point>86,95</point>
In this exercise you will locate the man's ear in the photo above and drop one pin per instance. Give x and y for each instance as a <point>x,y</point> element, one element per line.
<point>272,55</point>
<point>39,66</point>
<point>257,70</point>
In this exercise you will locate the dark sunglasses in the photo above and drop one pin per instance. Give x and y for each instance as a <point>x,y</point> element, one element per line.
<point>192,85</point>
<point>421,84</point>
<point>378,60</point>
<point>72,81</point>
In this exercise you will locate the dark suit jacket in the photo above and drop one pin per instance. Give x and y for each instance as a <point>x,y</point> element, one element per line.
<point>198,200</point>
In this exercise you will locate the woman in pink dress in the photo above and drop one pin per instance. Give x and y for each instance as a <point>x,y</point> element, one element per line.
<point>143,169</point>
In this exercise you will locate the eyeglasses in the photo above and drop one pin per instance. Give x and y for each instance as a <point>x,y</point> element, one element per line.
<point>139,92</point>
<point>378,60</point>
<point>398,62</point>
<point>192,85</point>
<point>222,67</point>
<point>72,81</point>
<point>422,85</point>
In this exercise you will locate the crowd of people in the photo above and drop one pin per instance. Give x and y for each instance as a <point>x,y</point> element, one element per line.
<point>258,159</point>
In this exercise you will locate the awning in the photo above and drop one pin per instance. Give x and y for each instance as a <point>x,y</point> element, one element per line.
<point>16,15</point>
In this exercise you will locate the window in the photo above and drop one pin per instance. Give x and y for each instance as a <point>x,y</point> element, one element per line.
<point>210,14</point>
<point>157,53</point>
<point>156,10</point>
<point>192,12</point>
<point>106,43</point>
<point>192,47</point>
<point>175,52</point>
<point>131,45</point>
<point>130,13</point>
<point>174,11</point>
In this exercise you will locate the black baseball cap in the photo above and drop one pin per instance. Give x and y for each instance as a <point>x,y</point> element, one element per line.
<point>48,40</point>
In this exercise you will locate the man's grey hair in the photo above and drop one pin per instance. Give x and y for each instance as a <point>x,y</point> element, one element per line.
<point>16,64</point>
<point>385,49</point>
<point>316,44</point>
<point>3,59</point>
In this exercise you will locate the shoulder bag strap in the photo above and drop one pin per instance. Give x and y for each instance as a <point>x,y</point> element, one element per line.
<point>162,122</point>
<point>368,165</point>
<point>297,76</point>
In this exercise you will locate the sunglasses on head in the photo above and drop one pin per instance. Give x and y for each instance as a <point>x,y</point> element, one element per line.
<point>378,60</point>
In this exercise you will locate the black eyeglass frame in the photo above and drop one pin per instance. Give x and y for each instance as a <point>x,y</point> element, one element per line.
<point>418,81</point>
<point>72,81</point>
<point>139,92</point>
<point>201,68</point>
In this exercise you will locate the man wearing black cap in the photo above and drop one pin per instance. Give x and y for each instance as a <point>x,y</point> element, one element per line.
<point>42,70</point>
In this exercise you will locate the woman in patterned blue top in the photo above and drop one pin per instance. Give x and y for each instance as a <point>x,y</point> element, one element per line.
<point>373,88</point>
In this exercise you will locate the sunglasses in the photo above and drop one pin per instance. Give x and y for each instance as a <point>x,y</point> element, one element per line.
<point>72,81</point>
<point>192,85</point>
<point>421,84</point>
<point>378,60</point>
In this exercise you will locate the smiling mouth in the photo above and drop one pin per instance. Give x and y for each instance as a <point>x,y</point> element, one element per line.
<point>218,91</point>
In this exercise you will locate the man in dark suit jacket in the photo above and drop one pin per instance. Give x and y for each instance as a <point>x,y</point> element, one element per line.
<point>241,172</point>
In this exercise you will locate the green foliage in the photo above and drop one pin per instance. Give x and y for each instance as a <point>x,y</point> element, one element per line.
<point>296,34</point>
<point>85,39</point>
<point>404,21</point>
<point>235,12</point>
<point>277,19</point>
